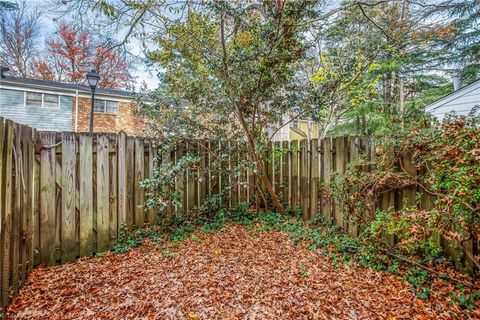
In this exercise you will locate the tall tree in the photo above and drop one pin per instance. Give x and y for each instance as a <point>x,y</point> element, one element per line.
<point>464,43</point>
<point>73,52</point>
<point>234,63</point>
<point>18,38</point>
<point>378,56</point>
<point>237,61</point>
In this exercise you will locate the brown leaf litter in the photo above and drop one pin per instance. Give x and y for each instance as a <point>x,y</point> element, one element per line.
<point>224,275</point>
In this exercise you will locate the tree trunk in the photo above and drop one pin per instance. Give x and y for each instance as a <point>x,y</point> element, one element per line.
<point>250,141</point>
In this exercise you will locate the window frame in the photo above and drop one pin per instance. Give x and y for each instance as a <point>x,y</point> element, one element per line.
<point>25,94</point>
<point>51,94</point>
<point>105,106</point>
<point>42,106</point>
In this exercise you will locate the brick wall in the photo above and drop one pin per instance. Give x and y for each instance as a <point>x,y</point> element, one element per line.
<point>125,120</point>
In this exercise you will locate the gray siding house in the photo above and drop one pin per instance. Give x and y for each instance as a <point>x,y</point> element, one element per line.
<point>461,100</point>
<point>52,106</point>
<point>41,110</point>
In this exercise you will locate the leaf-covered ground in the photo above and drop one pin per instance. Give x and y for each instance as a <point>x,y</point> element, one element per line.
<point>234,274</point>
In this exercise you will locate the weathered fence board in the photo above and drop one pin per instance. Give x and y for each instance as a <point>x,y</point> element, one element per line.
<point>69,157</point>
<point>47,197</point>
<point>314,178</point>
<point>86,195</point>
<point>122,178</point>
<point>103,194</point>
<point>139,176</point>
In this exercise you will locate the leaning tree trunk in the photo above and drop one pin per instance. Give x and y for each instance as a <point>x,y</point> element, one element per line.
<point>258,162</point>
<point>250,141</point>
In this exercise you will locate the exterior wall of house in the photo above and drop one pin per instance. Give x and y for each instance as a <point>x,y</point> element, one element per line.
<point>461,101</point>
<point>302,127</point>
<point>126,119</point>
<point>58,118</point>
<point>296,130</point>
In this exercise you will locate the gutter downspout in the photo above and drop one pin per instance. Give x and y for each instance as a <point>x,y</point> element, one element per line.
<point>76,111</point>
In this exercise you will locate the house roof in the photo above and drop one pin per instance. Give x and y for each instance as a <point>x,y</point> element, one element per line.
<point>454,95</point>
<point>68,87</point>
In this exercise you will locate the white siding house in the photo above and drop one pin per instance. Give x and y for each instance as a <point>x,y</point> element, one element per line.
<point>461,101</point>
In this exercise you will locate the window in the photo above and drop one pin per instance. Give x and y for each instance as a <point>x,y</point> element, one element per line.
<point>42,100</point>
<point>50,101</point>
<point>111,106</point>
<point>33,99</point>
<point>99,105</point>
<point>105,106</point>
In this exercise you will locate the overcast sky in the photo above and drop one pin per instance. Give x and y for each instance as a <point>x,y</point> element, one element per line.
<point>143,73</point>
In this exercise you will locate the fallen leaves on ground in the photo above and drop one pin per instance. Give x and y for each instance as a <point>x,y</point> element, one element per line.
<point>235,274</point>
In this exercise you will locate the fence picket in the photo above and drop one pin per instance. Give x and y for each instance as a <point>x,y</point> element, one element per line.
<point>304,186</point>
<point>48,206</point>
<point>68,236</point>
<point>314,176</point>
<point>294,173</point>
<point>122,179</point>
<point>86,195</point>
<point>130,181</point>
<point>327,171</point>
<point>139,176</point>
<point>17,207</point>
<point>6,140</point>
<point>113,190</point>
<point>103,194</point>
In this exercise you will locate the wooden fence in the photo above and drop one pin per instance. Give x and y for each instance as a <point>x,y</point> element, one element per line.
<point>64,195</point>
<point>16,194</point>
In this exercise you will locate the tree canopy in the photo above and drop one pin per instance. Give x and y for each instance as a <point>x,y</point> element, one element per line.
<point>233,70</point>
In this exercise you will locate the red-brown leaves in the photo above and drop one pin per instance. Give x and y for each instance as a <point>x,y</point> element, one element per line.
<point>74,52</point>
<point>225,275</point>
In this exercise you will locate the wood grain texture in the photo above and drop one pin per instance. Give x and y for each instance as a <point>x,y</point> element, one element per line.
<point>48,195</point>
<point>327,171</point>
<point>113,189</point>
<point>139,177</point>
<point>103,194</point>
<point>122,179</point>
<point>130,181</point>
<point>294,181</point>
<point>69,156</point>
<point>304,173</point>
<point>17,212</point>
<point>86,195</point>
<point>314,176</point>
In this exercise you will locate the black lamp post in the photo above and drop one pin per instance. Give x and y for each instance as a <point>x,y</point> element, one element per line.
<point>92,78</point>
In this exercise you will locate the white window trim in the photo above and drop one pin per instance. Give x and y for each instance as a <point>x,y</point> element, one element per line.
<point>105,107</point>
<point>43,100</point>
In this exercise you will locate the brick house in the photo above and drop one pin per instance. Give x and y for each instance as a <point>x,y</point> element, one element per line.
<point>48,105</point>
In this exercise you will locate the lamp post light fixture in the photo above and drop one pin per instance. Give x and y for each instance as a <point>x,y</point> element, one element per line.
<point>92,78</point>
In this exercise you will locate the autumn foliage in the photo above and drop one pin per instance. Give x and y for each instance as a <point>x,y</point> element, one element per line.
<point>239,273</point>
<point>74,52</point>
